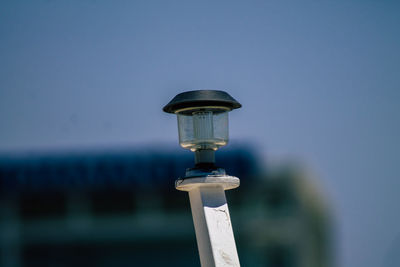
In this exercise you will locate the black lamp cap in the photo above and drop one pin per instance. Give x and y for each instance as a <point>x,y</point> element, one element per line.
<point>201,98</point>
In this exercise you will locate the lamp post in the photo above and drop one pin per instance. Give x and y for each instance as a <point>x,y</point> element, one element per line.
<point>203,128</point>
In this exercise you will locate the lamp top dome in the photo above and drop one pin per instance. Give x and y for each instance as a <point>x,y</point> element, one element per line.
<point>201,98</point>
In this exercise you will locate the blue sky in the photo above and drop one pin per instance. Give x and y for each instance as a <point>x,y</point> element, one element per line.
<point>319,81</point>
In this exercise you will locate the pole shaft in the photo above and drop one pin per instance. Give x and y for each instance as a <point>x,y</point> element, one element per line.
<point>213,226</point>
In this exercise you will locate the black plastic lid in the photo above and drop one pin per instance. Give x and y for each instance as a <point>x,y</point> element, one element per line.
<point>201,98</point>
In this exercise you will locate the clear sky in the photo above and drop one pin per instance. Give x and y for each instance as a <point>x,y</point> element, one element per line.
<point>319,81</point>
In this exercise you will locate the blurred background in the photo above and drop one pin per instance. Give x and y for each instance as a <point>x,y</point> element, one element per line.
<point>88,159</point>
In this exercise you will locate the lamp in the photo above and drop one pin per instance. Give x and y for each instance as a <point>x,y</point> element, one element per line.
<point>203,128</point>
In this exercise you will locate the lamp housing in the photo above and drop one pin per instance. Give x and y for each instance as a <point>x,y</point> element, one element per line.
<point>202,118</point>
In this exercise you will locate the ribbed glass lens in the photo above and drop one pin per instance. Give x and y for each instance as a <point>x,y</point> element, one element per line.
<point>203,128</point>
<point>203,125</point>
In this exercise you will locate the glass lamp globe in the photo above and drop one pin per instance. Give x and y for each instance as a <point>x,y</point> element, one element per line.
<point>203,127</point>
<point>202,118</point>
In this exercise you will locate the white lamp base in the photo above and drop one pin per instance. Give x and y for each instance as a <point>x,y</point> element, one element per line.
<point>211,218</point>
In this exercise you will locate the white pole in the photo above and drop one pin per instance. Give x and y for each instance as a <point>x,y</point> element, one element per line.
<point>211,219</point>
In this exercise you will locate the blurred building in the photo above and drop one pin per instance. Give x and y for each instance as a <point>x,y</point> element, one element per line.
<point>121,209</point>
